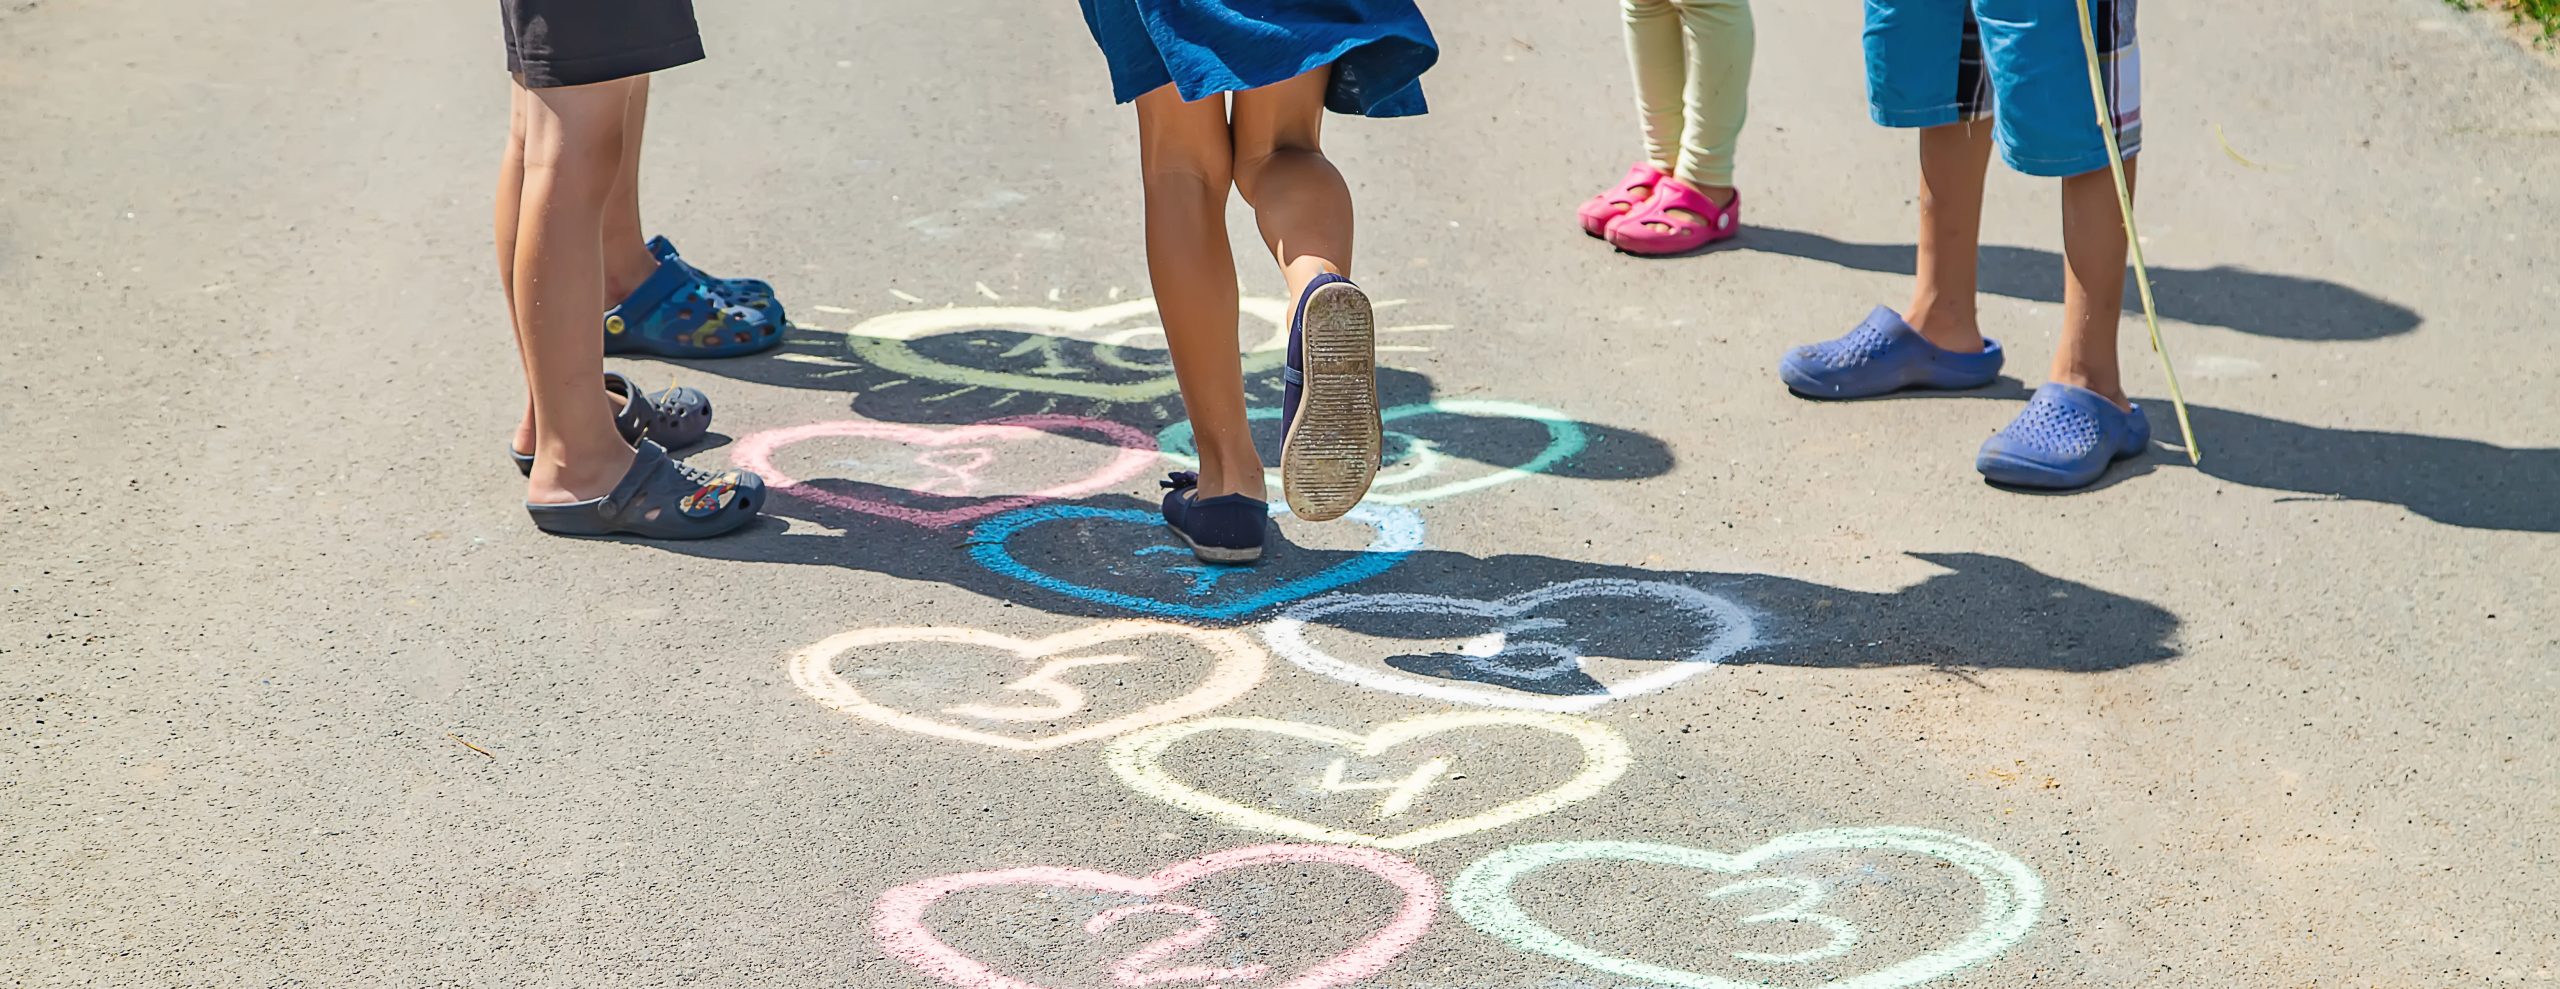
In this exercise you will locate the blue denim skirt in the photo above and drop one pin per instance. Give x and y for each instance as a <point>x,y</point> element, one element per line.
<point>1378,48</point>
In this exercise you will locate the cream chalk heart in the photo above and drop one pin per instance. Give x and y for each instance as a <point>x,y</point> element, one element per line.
<point>1722,629</point>
<point>1138,759</point>
<point>1134,452</point>
<point>2012,900</point>
<point>1048,696</point>
<point>898,919</point>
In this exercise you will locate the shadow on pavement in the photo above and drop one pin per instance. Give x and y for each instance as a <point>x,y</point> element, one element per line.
<point>972,376</point>
<point>1112,560</point>
<point>2288,307</point>
<point>2457,482</point>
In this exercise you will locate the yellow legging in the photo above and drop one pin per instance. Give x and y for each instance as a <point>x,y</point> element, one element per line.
<point>1692,61</point>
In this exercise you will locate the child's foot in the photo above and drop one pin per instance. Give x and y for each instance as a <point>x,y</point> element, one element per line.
<point>1601,212</point>
<point>1224,529</point>
<point>1884,354</point>
<point>2064,439</point>
<point>659,498</point>
<point>676,314</point>
<point>1678,219</point>
<point>745,291</point>
<point>675,417</point>
<point>1329,404</point>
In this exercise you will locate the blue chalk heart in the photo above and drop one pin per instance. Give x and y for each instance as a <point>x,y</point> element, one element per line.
<point>1399,533</point>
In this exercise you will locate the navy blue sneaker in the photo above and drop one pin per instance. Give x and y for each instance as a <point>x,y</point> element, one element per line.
<point>1883,355</point>
<point>1329,427</point>
<point>1224,529</point>
<point>2064,439</point>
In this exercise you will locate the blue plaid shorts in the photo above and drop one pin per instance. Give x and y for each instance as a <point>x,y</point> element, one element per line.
<point>2018,63</point>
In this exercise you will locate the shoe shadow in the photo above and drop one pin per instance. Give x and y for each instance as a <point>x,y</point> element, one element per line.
<point>2268,304</point>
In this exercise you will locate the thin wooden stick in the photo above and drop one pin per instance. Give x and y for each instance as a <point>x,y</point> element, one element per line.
<point>2132,239</point>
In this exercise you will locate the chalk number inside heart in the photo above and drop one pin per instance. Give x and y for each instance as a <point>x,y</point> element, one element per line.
<point>1808,895</point>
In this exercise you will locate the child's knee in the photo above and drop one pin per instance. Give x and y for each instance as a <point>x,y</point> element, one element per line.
<point>575,147</point>
<point>1207,176</point>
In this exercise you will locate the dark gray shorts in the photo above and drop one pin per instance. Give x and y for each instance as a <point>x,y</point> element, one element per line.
<point>577,42</point>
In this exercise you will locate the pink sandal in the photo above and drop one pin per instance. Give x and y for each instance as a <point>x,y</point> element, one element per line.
<point>1653,229</point>
<point>1604,210</point>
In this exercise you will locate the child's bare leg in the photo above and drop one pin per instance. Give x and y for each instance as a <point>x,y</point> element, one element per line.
<point>572,153</point>
<point>1299,201</point>
<point>510,205</point>
<point>1184,150</point>
<point>2093,250</point>
<point>1953,159</point>
<point>627,261</point>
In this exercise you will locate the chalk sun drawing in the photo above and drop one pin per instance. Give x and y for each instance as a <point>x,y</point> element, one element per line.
<point>1404,482</point>
<point>2012,901</point>
<point>898,919</point>
<point>1138,760</point>
<point>1724,629</point>
<point>970,450</point>
<point>1111,369</point>
<point>1047,692</point>
<point>1397,533</point>
<point>886,342</point>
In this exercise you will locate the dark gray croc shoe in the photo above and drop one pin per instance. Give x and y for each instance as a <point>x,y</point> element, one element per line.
<point>660,498</point>
<point>675,417</point>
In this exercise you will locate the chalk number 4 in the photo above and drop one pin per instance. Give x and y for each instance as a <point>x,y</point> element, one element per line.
<point>1808,894</point>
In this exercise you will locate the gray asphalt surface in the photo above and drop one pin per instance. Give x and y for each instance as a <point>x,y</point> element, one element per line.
<point>292,694</point>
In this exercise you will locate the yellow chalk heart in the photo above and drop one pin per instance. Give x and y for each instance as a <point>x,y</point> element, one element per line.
<point>1137,758</point>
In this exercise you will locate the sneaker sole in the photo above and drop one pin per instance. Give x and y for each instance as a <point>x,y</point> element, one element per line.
<point>1331,453</point>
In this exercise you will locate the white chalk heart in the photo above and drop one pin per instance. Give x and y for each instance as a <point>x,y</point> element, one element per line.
<point>2012,900</point>
<point>1723,629</point>
<point>1137,758</point>
<point>1048,698</point>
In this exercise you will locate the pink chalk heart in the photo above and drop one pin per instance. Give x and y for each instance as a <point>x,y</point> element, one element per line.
<point>958,453</point>
<point>899,918</point>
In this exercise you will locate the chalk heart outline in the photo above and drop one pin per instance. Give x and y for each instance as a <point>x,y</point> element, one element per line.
<point>2012,899</point>
<point>1135,453</point>
<point>898,918</point>
<point>1138,759</point>
<point>1735,632</point>
<point>1565,438</point>
<point>884,342</point>
<point>1238,665</point>
<point>1398,533</point>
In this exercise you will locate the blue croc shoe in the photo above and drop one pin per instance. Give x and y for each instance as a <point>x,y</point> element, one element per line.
<point>1224,529</point>
<point>1884,354</point>
<point>675,314</point>
<point>753,293</point>
<point>2064,439</point>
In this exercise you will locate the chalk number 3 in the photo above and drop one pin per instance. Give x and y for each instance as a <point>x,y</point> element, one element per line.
<point>1808,894</point>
